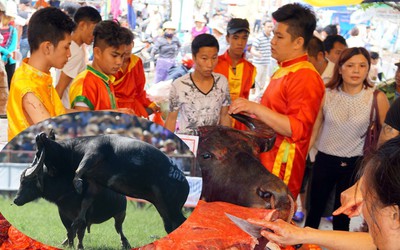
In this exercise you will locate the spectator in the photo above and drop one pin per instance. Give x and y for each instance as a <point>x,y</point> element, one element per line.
<point>24,11</point>
<point>262,60</point>
<point>232,64</point>
<point>355,40</point>
<point>316,56</point>
<point>10,39</point>
<point>329,30</point>
<point>334,45</point>
<point>130,80</point>
<point>375,73</point>
<point>345,111</point>
<point>93,88</point>
<point>199,27</point>
<point>291,102</point>
<point>32,96</point>
<point>218,31</point>
<point>202,97</point>
<point>167,47</point>
<point>85,18</point>
<point>182,69</point>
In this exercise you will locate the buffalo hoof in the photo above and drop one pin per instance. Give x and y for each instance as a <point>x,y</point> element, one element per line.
<point>126,245</point>
<point>78,184</point>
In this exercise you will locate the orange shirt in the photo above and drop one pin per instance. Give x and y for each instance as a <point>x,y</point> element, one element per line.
<point>295,90</point>
<point>93,88</point>
<point>129,87</point>
<point>240,82</point>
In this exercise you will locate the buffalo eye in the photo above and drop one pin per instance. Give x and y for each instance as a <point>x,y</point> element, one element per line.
<point>206,155</point>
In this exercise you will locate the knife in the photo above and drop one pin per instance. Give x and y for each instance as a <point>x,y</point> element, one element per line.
<point>251,229</point>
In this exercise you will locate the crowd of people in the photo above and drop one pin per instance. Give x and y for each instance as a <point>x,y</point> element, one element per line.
<point>318,100</point>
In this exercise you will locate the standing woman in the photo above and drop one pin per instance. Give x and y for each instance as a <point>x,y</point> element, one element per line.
<point>343,119</point>
<point>167,47</point>
<point>10,41</point>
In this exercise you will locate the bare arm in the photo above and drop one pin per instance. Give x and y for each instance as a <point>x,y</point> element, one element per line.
<point>278,122</point>
<point>170,122</point>
<point>34,109</point>
<point>317,125</point>
<point>225,119</point>
<point>288,234</point>
<point>62,84</point>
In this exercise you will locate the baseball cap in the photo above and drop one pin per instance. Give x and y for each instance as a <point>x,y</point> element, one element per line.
<point>238,24</point>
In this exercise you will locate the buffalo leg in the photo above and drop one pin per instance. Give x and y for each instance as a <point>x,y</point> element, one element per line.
<point>81,234</point>
<point>119,219</point>
<point>88,161</point>
<point>71,232</point>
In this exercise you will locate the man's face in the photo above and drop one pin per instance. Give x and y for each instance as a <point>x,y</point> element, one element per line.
<point>59,54</point>
<point>88,32</point>
<point>110,59</point>
<point>237,42</point>
<point>334,53</point>
<point>206,60</point>
<point>268,27</point>
<point>282,43</point>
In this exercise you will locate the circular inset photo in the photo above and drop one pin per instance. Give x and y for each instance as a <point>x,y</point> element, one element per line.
<point>99,180</point>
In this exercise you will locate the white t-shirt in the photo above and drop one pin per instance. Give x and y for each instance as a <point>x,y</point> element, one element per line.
<point>75,65</point>
<point>195,107</point>
<point>328,72</point>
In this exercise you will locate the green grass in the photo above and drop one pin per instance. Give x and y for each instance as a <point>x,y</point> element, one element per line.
<point>40,221</point>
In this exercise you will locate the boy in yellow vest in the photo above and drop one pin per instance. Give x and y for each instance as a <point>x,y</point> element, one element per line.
<point>32,97</point>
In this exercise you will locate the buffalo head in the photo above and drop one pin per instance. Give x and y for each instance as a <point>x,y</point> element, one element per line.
<point>31,180</point>
<point>232,172</point>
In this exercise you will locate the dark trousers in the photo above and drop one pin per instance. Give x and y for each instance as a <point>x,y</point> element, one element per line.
<point>10,69</point>
<point>329,171</point>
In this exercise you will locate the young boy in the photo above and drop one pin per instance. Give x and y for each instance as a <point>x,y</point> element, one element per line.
<point>202,97</point>
<point>130,80</point>
<point>85,19</point>
<point>93,88</point>
<point>239,72</point>
<point>32,96</point>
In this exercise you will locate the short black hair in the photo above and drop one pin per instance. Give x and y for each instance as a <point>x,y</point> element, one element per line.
<point>331,29</point>
<point>87,13</point>
<point>300,19</point>
<point>374,55</point>
<point>330,41</point>
<point>108,34</point>
<point>315,46</point>
<point>48,24</point>
<point>203,40</point>
<point>128,35</point>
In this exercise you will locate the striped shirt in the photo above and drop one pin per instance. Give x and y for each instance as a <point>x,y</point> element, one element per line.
<point>263,45</point>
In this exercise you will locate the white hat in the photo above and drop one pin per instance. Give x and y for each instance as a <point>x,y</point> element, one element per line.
<point>219,26</point>
<point>200,18</point>
<point>11,9</point>
<point>168,25</point>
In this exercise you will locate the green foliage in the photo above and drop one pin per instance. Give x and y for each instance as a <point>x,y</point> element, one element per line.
<point>40,221</point>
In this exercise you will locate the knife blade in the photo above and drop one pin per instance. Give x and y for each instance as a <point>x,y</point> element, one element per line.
<point>251,229</point>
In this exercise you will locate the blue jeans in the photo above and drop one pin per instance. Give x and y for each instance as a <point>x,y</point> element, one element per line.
<point>24,47</point>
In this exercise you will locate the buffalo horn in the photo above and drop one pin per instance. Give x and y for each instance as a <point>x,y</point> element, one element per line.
<point>265,135</point>
<point>36,165</point>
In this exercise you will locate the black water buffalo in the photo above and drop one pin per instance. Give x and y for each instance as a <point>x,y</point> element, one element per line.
<point>53,182</point>
<point>232,172</point>
<point>125,165</point>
